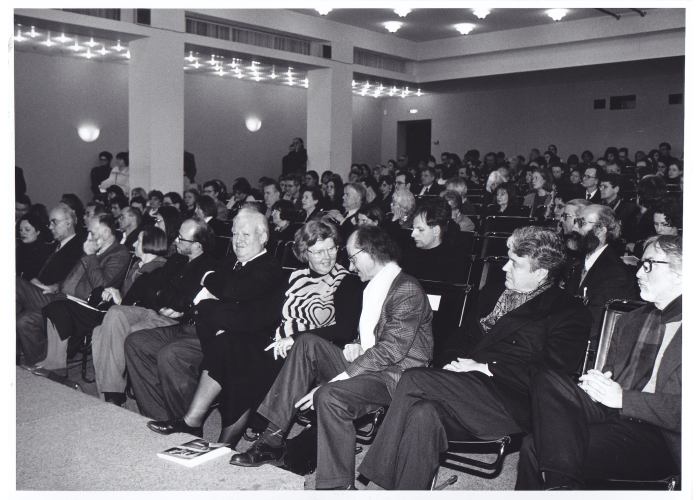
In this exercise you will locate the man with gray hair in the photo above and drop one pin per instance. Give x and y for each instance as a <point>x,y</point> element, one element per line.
<point>599,274</point>
<point>242,296</point>
<point>485,391</point>
<point>623,421</point>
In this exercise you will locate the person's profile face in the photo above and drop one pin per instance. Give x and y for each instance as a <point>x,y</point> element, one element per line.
<point>27,232</point>
<point>425,236</point>
<point>519,273</point>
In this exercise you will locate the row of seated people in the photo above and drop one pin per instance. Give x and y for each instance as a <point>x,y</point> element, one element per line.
<point>232,312</point>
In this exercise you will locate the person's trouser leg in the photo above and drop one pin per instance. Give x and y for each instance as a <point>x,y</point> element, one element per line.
<point>56,349</point>
<point>337,405</point>
<point>311,361</point>
<point>141,353</point>
<point>178,371</point>
<point>428,408</point>
<point>31,336</point>
<point>108,343</point>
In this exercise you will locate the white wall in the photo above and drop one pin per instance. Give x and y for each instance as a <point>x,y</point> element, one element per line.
<point>534,112</point>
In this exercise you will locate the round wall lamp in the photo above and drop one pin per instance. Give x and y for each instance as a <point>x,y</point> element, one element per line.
<point>253,123</point>
<point>88,132</point>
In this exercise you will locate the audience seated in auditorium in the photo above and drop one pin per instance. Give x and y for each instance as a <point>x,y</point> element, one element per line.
<point>651,189</point>
<point>206,210</point>
<point>215,190</point>
<point>395,333</point>
<point>283,215</point>
<point>354,196</point>
<point>404,180</point>
<point>371,215</point>
<point>323,300</point>
<point>291,185</point>
<point>34,246</point>
<point>626,211</point>
<point>386,189</point>
<point>119,175</point>
<point>431,258</point>
<point>460,186</point>
<point>189,199</point>
<point>623,421</point>
<point>240,298</point>
<point>155,201</point>
<point>67,319</point>
<point>310,200</point>
<point>173,199</point>
<point>455,202</point>
<point>165,299</point>
<point>129,223</point>
<point>599,274</point>
<point>506,201</point>
<point>590,181</point>
<point>271,194</point>
<point>103,264</point>
<point>484,392</point>
<point>428,182</point>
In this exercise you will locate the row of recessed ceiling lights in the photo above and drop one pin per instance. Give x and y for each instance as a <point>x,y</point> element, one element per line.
<point>240,69</point>
<point>463,28</point>
<point>379,90</point>
<point>87,48</point>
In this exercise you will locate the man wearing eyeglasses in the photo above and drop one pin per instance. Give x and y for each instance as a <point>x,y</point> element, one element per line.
<point>241,298</point>
<point>599,274</point>
<point>395,333</point>
<point>590,181</point>
<point>623,421</point>
<point>169,303</point>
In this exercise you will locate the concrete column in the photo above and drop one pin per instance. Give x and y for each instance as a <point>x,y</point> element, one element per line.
<point>329,119</point>
<point>156,111</point>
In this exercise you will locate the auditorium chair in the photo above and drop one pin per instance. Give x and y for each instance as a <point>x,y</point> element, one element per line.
<point>505,224</point>
<point>289,260</point>
<point>493,245</point>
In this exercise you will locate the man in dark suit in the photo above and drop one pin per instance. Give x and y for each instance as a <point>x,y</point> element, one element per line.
<point>533,325</point>
<point>395,334</point>
<point>600,275</point>
<point>68,270</point>
<point>354,197</point>
<point>625,211</point>
<point>591,181</point>
<point>206,210</point>
<point>624,421</point>
<point>428,184</point>
<point>163,363</point>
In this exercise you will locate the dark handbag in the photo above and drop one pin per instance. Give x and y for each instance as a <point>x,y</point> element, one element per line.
<point>95,300</point>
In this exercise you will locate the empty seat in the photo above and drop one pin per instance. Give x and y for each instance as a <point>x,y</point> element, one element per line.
<point>494,245</point>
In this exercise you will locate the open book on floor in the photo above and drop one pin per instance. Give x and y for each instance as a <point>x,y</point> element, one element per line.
<point>194,452</point>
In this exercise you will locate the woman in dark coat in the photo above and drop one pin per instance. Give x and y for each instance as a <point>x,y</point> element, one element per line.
<point>33,248</point>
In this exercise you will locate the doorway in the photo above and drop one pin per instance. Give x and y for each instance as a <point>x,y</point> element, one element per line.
<point>413,140</point>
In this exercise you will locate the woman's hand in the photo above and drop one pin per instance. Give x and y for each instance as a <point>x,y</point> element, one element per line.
<point>280,347</point>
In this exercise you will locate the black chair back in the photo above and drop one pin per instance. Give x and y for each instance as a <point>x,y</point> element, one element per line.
<point>614,309</point>
<point>505,224</point>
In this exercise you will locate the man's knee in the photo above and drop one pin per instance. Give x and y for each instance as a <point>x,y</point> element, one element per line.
<point>133,344</point>
<point>423,414</point>
<point>327,396</point>
<point>412,378</point>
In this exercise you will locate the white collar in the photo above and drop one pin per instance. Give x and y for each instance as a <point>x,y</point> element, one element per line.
<point>590,259</point>
<point>253,258</point>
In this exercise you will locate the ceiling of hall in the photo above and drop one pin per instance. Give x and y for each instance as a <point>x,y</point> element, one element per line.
<point>422,25</point>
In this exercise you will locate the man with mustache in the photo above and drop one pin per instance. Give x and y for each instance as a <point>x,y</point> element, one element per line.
<point>599,275</point>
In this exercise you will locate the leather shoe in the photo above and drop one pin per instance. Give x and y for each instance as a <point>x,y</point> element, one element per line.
<point>173,426</point>
<point>259,454</point>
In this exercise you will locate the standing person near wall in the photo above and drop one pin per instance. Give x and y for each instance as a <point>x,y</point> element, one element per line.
<point>119,176</point>
<point>101,172</point>
<point>295,161</point>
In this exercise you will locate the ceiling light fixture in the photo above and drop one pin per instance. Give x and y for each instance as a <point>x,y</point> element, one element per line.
<point>88,54</point>
<point>273,75</point>
<point>419,93</point>
<point>393,26</point>
<point>92,43</point>
<point>481,13</point>
<point>190,58</point>
<point>103,51</point>
<point>48,42</point>
<point>63,38</point>
<point>118,47</point>
<point>32,33</point>
<point>323,10</point>
<point>76,46</point>
<point>465,28</point>
<point>127,54</point>
<point>19,37</point>
<point>556,14</point>
<point>402,11</point>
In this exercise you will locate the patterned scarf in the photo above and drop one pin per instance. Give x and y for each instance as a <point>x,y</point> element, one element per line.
<point>509,301</point>
<point>638,369</point>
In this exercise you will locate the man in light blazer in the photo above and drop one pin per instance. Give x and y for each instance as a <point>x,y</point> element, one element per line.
<point>395,334</point>
<point>622,422</point>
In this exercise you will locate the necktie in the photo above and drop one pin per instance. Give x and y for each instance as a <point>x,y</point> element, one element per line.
<point>588,195</point>
<point>237,266</point>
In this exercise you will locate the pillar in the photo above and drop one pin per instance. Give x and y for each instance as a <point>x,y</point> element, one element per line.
<point>156,111</point>
<point>329,119</point>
